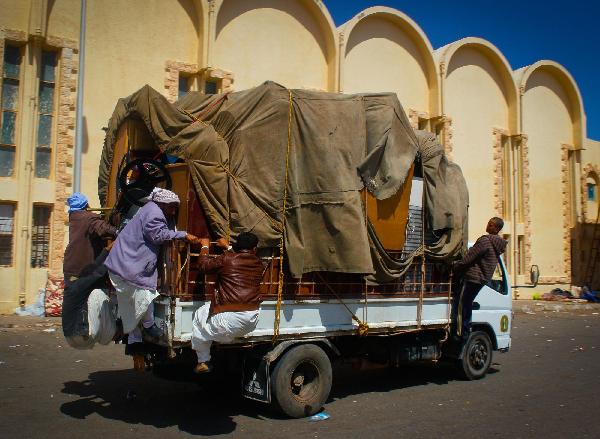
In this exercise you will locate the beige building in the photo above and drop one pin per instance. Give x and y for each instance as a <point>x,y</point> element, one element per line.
<point>519,135</point>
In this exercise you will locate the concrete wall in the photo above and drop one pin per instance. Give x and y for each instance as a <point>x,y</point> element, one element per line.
<point>381,56</point>
<point>15,14</point>
<point>245,42</point>
<point>548,124</point>
<point>63,18</point>
<point>123,54</point>
<point>271,40</point>
<point>475,99</point>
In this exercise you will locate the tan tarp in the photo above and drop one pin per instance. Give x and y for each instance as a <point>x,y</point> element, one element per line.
<point>243,147</point>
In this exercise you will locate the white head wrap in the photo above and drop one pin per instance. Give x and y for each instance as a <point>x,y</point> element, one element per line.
<point>165,196</point>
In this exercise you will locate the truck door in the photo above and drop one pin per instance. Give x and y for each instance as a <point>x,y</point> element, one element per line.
<point>493,306</point>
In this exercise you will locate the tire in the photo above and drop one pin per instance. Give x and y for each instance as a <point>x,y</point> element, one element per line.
<point>477,356</point>
<point>301,381</point>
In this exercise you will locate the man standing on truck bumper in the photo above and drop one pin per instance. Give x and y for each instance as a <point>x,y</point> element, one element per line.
<point>132,263</point>
<point>478,266</point>
<point>234,310</point>
<point>87,232</point>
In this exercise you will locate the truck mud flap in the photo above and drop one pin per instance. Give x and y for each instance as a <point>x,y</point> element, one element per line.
<point>256,379</point>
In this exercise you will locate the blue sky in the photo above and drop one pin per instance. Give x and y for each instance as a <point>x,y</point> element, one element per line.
<point>525,31</point>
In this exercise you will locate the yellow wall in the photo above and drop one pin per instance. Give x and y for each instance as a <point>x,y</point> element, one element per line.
<point>64,17</point>
<point>292,42</point>
<point>591,154</point>
<point>475,100</point>
<point>379,57</point>
<point>122,55</point>
<point>547,122</point>
<point>15,14</point>
<point>271,40</point>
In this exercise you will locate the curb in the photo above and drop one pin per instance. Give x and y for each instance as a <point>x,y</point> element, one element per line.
<point>527,306</point>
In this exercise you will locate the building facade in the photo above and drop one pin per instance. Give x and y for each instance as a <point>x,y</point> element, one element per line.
<point>519,135</point>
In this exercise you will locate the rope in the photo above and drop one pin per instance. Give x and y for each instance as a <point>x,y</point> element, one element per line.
<point>283,209</point>
<point>278,225</point>
<point>363,328</point>
<point>211,105</point>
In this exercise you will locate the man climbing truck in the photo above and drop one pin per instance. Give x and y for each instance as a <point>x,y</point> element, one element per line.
<point>359,219</point>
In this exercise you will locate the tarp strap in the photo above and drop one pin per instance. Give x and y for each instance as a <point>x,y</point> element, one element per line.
<point>277,224</point>
<point>212,105</point>
<point>363,328</point>
<point>283,209</point>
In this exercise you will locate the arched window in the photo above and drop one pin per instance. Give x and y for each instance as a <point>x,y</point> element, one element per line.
<point>591,189</point>
<point>591,196</point>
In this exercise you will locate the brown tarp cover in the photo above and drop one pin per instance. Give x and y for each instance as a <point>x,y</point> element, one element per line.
<point>242,147</point>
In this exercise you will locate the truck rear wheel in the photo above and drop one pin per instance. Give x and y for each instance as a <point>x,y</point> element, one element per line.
<point>477,356</point>
<point>301,381</point>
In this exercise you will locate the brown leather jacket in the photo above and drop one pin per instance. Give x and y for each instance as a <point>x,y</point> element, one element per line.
<point>239,276</point>
<point>87,232</point>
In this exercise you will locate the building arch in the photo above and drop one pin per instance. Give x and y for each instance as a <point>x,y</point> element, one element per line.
<point>308,17</point>
<point>424,50</point>
<point>564,78</point>
<point>589,202</point>
<point>446,54</point>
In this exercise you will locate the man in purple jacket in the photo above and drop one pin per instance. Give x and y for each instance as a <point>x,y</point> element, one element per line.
<point>132,263</point>
<point>478,266</point>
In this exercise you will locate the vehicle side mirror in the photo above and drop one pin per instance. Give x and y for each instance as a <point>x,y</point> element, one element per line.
<point>534,275</point>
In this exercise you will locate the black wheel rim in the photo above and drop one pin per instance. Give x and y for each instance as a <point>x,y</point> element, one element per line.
<point>478,355</point>
<point>304,381</point>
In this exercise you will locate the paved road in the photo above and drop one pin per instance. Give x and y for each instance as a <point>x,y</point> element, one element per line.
<point>546,387</point>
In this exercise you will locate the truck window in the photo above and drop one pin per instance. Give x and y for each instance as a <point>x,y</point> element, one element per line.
<point>498,281</point>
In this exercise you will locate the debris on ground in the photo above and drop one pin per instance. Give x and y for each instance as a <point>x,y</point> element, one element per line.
<point>319,417</point>
<point>36,309</point>
<point>590,296</point>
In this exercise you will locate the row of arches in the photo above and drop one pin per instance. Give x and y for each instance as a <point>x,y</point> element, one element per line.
<point>492,117</point>
<point>380,49</point>
<point>466,89</point>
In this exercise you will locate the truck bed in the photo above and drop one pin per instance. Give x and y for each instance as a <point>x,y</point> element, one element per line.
<point>309,318</point>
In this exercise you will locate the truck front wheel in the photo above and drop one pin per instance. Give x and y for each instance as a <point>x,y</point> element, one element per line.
<point>477,356</point>
<point>301,381</point>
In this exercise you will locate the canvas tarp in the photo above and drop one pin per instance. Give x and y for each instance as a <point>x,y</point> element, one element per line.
<point>243,147</point>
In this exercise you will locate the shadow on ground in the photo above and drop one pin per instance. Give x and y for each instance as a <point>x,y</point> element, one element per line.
<point>142,398</point>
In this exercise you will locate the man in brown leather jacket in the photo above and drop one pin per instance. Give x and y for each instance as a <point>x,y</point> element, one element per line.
<point>234,311</point>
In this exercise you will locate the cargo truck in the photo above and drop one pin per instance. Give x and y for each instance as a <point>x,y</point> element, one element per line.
<point>396,311</point>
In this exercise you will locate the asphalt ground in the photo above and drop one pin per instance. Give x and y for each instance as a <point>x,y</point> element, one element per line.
<point>547,386</point>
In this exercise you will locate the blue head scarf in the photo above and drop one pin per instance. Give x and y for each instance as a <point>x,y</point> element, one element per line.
<point>77,201</point>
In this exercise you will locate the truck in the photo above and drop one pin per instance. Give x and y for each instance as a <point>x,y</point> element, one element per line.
<point>387,294</point>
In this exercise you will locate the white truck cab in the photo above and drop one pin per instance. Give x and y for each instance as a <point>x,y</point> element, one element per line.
<point>493,307</point>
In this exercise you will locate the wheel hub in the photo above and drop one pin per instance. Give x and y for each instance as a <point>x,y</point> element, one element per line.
<point>298,380</point>
<point>478,356</point>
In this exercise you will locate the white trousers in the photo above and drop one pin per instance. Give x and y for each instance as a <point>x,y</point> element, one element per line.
<point>223,328</point>
<point>135,305</point>
<point>102,322</point>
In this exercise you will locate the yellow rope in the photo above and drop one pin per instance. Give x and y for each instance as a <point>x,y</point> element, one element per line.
<point>230,174</point>
<point>363,328</point>
<point>273,221</point>
<point>283,211</point>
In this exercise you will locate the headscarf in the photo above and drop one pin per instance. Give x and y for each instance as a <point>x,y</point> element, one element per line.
<point>77,201</point>
<point>160,195</point>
